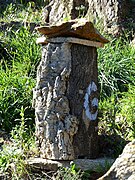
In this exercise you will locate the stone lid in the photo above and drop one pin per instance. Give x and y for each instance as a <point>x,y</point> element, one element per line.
<point>79,28</point>
<point>44,40</point>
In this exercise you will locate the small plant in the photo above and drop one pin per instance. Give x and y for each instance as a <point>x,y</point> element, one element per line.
<point>108,108</point>
<point>69,173</point>
<point>81,11</point>
<point>14,154</point>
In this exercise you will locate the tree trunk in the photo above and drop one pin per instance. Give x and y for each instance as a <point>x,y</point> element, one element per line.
<point>113,15</point>
<point>66,101</point>
<point>83,99</point>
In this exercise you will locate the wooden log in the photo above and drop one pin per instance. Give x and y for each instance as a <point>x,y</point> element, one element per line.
<point>66,100</point>
<point>83,99</point>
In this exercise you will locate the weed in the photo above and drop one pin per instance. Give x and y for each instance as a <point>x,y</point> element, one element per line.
<point>81,11</point>
<point>127,112</point>
<point>69,173</point>
<point>14,154</point>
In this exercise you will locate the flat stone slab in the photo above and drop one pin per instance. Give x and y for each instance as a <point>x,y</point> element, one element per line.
<point>83,164</point>
<point>44,40</point>
<point>79,28</point>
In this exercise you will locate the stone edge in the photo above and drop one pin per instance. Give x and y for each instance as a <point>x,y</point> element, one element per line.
<point>44,40</point>
<point>83,164</point>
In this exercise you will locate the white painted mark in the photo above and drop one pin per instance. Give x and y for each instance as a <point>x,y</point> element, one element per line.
<point>92,87</point>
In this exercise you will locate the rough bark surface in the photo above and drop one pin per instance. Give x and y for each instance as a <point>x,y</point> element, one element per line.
<point>65,101</point>
<point>83,99</point>
<point>113,14</point>
<point>55,126</point>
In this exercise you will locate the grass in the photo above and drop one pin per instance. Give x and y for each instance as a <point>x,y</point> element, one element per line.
<point>116,67</point>
<point>117,102</point>
<point>14,154</point>
<point>17,76</point>
<point>22,11</point>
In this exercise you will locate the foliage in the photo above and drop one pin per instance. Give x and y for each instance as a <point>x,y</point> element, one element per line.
<point>117,114</point>
<point>116,67</point>
<point>23,11</point>
<point>107,115</point>
<point>17,75</point>
<point>73,173</point>
<point>81,11</point>
<point>16,151</point>
<point>116,79</point>
<point>69,173</point>
<point>127,111</point>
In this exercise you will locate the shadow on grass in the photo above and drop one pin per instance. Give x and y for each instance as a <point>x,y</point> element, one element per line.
<point>111,145</point>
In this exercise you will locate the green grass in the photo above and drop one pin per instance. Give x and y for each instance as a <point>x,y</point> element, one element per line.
<point>22,11</point>
<point>17,77</point>
<point>15,152</point>
<point>116,63</point>
<point>126,114</point>
<point>116,67</point>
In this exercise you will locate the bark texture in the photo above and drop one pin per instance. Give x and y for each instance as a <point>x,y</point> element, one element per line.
<point>55,126</point>
<point>65,101</point>
<point>83,99</point>
<point>113,14</point>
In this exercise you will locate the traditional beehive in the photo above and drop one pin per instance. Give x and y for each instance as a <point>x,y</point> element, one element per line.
<point>66,94</point>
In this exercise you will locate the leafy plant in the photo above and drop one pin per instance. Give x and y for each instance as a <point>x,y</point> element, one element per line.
<point>81,11</point>
<point>108,108</point>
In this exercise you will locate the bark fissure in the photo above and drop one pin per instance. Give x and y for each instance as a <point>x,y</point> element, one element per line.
<point>55,126</point>
<point>66,77</point>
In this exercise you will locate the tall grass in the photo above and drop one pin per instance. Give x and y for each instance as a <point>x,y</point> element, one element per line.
<point>17,77</point>
<point>116,79</point>
<point>116,67</point>
<point>28,11</point>
<point>14,154</point>
<point>127,112</point>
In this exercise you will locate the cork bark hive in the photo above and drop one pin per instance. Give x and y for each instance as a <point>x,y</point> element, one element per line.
<point>66,94</point>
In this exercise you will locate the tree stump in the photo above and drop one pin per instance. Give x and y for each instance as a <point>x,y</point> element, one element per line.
<point>66,99</point>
